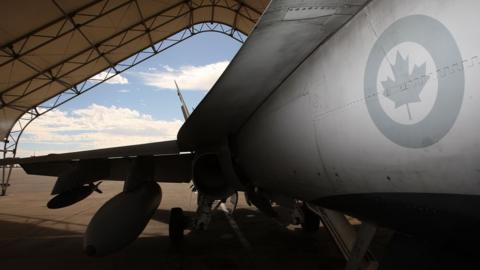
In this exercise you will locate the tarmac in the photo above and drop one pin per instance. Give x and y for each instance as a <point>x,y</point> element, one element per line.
<point>35,237</point>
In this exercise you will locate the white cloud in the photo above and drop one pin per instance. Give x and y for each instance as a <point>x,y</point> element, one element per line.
<point>124,91</point>
<point>93,127</point>
<point>188,77</point>
<point>168,68</point>
<point>118,79</point>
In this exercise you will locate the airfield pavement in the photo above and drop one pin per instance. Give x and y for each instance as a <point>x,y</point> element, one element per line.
<point>34,237</point>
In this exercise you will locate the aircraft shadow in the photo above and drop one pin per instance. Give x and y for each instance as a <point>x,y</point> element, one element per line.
<point>49,245</point>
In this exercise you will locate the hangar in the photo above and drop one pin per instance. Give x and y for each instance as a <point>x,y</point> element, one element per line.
<point>50,49</point>
<point>316,136</point>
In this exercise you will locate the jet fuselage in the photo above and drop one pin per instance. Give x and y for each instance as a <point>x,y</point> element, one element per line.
<point>381,121</point>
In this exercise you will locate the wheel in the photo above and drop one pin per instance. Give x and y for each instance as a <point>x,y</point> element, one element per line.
<point>176,224</point>
<point>311,221</point>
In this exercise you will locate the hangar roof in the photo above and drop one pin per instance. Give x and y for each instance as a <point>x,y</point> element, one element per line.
<point>49,46</point>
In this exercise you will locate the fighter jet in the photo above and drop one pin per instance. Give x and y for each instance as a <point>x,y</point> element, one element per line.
<point>369,108</point>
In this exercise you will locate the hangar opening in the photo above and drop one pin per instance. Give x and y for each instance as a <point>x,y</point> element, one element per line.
<point>51,49</point>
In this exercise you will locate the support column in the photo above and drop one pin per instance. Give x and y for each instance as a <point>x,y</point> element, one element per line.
<point>6,169</point>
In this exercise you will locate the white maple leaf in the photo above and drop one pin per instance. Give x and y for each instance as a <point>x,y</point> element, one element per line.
<point>405,87</point>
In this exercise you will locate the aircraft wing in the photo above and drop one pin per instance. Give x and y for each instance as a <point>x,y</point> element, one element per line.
<point>288,32</point>
<point>113,163</point>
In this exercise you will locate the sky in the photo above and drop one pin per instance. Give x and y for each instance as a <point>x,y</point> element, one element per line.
<point>139,105</point>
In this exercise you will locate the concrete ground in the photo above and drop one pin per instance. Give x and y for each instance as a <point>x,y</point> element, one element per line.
<point>34,237</point>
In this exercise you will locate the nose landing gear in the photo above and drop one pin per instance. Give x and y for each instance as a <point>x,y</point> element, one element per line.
<point>205,205</point>
<point>179,222</point>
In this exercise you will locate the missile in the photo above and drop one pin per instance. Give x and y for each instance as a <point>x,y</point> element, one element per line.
<point>121,220</point>
<point>72,196</point>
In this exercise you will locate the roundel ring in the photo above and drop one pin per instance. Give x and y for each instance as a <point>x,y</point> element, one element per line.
<point>439,42</point>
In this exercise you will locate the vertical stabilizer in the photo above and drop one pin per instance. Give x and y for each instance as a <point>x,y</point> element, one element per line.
<point>184,107</point>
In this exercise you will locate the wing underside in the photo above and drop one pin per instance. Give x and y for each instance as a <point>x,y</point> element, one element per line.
<point>287,33</point>
<point>169,165</point>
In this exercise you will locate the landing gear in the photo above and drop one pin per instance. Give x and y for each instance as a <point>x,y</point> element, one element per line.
<point>204,212</point>
<point>177,224</point>
<point>311,221</point>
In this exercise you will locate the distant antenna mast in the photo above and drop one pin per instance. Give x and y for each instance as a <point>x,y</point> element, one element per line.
<point>184,107</point>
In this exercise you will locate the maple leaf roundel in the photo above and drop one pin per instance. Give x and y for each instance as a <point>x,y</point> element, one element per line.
<point>407,80</point>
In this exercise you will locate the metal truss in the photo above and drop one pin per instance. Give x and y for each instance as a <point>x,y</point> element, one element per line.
<point>11,142</point>
<point>75,23</point>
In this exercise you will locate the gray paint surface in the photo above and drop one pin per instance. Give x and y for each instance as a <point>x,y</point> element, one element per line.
<point>439,42</point>
<point>318,135</point>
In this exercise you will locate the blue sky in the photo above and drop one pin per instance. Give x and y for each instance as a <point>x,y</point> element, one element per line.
<point>138,106</point>
<point>200,50</point>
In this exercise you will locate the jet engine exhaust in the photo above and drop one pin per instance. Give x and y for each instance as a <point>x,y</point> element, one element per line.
<point>121,220</point>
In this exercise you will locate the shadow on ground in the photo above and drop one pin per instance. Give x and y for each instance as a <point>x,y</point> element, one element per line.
<point>34,244</point>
